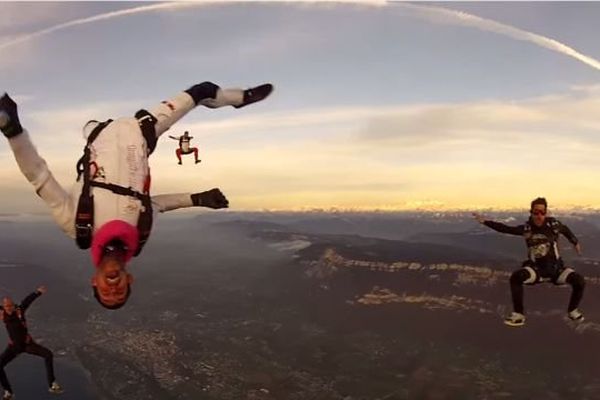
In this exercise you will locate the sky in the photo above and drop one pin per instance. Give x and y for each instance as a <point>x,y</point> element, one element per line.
<point>389,106</point>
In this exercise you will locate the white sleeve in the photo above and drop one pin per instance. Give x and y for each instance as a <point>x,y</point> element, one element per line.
<point>36,171</point>
<point>168,202</point>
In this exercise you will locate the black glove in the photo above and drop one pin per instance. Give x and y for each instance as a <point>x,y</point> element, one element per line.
<point>213,198</point>
<point>13,127</point>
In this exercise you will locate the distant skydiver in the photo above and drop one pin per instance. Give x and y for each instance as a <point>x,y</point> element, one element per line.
<point>184,147</point>
<point>20,341</point>
<point>544,263</point>
<point>110,209</point>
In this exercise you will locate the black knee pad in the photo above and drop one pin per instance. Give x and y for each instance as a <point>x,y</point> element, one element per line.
<point>201,91</point>
<point>519,276</point>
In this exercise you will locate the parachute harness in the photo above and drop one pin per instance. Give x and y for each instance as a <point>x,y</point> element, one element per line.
<point>84,218</point>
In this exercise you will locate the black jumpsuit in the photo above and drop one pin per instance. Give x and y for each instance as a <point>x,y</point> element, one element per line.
<point>544,261</point>
<point>21,342</point>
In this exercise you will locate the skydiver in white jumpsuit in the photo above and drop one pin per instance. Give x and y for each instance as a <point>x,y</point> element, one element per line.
<point>117,177</point>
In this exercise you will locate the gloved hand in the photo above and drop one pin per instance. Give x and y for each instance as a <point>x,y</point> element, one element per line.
<point>213,198</point>
<point>13,127</point>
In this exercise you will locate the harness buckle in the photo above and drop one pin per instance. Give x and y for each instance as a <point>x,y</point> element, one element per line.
<point>144,118</point>
<point>83,229</point>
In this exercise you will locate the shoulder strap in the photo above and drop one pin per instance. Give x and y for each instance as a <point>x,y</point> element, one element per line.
<point>147,123</point>
<point>84,218</point>
<point>90,139</point>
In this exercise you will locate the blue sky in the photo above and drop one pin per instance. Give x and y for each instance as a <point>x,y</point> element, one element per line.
<point>375,106</point>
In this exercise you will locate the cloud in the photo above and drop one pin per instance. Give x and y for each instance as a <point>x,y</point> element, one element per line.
<point>69,121</point>
<point>87,20</point>
<point>443,15</point>
<point>506,123</point>
<point>475,154</point>
<point>429,13</point>
<point>15,16</point>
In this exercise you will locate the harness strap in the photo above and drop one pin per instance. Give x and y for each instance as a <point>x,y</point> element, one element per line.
<point>84,217</point>
<point>147,123</point>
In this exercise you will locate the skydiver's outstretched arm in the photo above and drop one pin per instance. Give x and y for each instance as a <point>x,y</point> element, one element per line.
<point>173,137</point>
<point>500,227</point>
<point>213,198</point>
<point>207,94</point>
<point>26,302</point>
<point>566,232</point>
<point>36,171</point>
<point>168,202</point>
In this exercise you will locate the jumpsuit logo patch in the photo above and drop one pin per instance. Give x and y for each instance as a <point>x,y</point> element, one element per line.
<point>169,104</point>
<point>540,246</point>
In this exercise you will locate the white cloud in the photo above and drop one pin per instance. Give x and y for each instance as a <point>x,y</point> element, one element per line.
<point>18,15</point>
<point>553,118</point>
<point>447,16</point>
<point>481,153</point>
<point>429,13</point>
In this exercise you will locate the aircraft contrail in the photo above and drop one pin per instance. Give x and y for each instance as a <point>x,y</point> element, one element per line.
<point>445,15</point>
<point>88,20</point>
<point>430,13</point>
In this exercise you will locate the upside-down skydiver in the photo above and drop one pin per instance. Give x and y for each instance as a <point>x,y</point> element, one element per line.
<point>110,209</point>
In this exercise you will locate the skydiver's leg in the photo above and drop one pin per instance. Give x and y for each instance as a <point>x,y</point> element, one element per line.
<point>7,356</point>
<point>577,282</point>
<point>207,94</point>
<point>518,278</point>
<point>40,351</point>
<point>195,150</point>
<point>212,96</point>
<point>178,154</point>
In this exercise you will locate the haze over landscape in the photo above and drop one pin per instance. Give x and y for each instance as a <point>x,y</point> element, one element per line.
<point>307,305</point>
